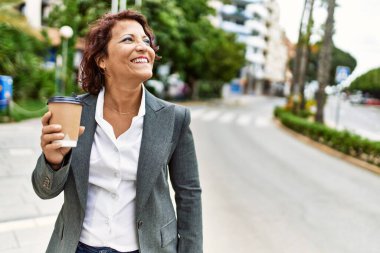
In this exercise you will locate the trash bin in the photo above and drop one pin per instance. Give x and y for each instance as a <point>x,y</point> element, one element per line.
<point>6,91</point>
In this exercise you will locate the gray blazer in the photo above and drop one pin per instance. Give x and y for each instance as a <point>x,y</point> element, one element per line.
<point>167,149</point>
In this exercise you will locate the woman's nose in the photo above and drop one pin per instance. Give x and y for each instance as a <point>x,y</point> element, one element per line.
<point>141,46</point>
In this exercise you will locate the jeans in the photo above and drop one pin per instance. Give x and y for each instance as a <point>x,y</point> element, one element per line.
<point>84,248</point>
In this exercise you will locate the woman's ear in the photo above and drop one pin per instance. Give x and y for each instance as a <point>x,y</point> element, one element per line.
<point>101,63</point>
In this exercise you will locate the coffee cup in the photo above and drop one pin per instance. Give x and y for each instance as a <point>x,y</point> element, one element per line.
<point>66,111</point>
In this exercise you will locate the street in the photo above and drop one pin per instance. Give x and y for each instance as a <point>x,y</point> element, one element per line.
<point>357,118</point>
<point>263,190</point>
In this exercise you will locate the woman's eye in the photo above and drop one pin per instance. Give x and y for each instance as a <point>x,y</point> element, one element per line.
<point>127,39</point>
<point>147,41</point>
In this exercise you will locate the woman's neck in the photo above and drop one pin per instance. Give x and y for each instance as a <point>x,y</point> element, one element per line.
<point>122,99</point>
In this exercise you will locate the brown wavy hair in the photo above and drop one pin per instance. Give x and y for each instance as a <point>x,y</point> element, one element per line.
<point>92,77</point>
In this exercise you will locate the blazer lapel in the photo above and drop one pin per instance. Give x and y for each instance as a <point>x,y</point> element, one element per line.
<point>81,154</point>
<point>157,130</point>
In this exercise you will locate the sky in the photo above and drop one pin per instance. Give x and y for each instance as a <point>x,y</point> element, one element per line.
<point>357,28</point>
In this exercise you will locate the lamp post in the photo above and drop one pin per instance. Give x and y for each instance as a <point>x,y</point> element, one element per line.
<point>66,33</point>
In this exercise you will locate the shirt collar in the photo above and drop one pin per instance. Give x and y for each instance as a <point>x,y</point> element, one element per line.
<point>100,104</point>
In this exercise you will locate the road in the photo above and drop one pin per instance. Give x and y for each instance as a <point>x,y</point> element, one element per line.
<point>363,120</point>
<point>263,191</point>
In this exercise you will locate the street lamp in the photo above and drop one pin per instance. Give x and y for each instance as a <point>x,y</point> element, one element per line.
<point>66,33</point>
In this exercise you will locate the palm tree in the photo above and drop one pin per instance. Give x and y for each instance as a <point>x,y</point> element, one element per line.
<point>297,58</point>
<point>324,62</point>
<point>302,51</point>
<point>305,53</point>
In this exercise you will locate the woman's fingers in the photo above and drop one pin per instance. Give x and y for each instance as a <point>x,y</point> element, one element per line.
<point>54,128</point>
<point>53,146</point>
<point>47,138</point>
<point>81,130</point>
<point>45,119</point>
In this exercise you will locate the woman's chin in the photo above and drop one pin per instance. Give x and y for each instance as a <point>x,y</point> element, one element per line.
<point>146,76</point>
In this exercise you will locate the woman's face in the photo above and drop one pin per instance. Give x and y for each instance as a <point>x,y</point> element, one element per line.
<point>130,57</point>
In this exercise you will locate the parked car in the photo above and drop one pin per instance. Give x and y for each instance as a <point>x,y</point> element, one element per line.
<point>357,98</point>
<point>372,101</point>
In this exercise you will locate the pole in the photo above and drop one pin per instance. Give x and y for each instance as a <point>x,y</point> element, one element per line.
<point>115,6</point>
<point>58,74</point>
<point>123,5</point>
<point>337,113</point>
<point>64,67</point>
<point>138,3</point>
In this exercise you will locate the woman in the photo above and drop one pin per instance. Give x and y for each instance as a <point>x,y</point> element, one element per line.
<point>116,180</point>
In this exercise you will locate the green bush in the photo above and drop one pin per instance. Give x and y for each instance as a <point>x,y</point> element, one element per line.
<point>21,56</point>
<point>343,141</point>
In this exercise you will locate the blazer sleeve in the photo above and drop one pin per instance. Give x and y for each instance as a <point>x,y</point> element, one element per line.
<point>49,183</point>
<point>184,177</point>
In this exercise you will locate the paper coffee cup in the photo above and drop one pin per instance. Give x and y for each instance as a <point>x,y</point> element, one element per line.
<point>66,111</point>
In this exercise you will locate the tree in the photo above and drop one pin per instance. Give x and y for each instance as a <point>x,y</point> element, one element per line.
<point>13,18</point>
<point>297,58</point>
<point>305,54</point>
<point>338,58</point>
<point>187,40</point>
<point>369,82</point>
<point>324,62</point>
<point>205,44</point>
<point>22,50</point>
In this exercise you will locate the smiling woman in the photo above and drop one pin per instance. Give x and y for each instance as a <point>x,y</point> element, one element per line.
<point>117,196</point>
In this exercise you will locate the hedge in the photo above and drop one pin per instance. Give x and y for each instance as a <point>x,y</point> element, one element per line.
<point>343,141</point>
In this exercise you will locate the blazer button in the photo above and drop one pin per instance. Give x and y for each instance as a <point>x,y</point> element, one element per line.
<point>139,224</point>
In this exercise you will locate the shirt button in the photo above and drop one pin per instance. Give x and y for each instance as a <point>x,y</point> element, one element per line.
<point>107,221</point>
<point>114,195</point>
<point>116,174</point>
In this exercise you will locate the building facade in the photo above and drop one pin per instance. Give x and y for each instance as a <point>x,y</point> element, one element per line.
<point>256,23</point>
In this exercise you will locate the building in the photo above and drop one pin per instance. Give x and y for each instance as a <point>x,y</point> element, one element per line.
<point>256,23</point>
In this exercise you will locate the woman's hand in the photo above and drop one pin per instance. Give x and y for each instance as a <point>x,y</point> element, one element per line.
<point>53,152</point>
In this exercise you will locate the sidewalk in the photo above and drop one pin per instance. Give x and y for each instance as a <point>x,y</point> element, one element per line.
<point>26,221</point>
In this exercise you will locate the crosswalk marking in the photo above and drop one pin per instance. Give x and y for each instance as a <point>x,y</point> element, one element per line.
<point>227,117</point>
<point>210,115</point>
<point>244,120</point>
<point>230,117</point>
<point>262,122</point>
<point>196,113</point>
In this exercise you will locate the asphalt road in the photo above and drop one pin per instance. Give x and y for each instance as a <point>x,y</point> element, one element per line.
<point>267,192</point>
<point>263,191</point>
<point>363,120</point>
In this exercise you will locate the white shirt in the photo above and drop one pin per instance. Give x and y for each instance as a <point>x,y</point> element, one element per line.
<point>111,202</point>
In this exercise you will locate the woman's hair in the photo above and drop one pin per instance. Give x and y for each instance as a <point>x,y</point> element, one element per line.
<point>92,76</point>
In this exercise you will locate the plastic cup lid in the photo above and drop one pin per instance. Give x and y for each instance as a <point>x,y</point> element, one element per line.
<point>63,99</point>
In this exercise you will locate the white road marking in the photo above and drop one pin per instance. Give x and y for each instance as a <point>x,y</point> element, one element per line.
<point>244,119</point>
<point>195,113</point>
<point>262,122</point>
<point>227,117</point>
<point>210,115</point>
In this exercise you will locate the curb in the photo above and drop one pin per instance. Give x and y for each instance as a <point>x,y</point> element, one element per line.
<point>330,151</point>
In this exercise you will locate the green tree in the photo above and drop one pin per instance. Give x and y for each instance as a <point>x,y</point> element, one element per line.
<point>187,40</point>
<point>369,82</point>
<point>22,50</point>
<point>204,44</point>
<point>338,58</point>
